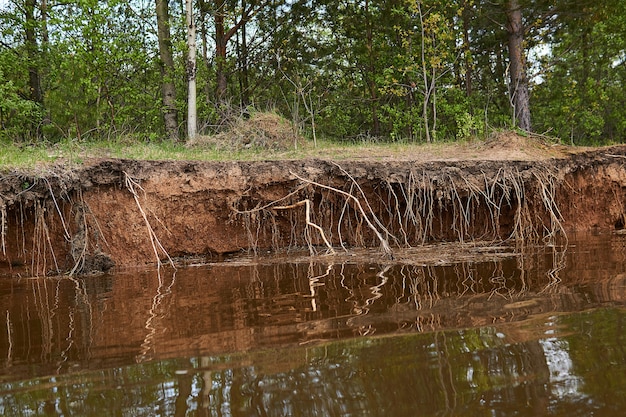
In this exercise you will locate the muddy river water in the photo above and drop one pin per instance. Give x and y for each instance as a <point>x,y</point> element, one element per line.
<point>530,335</point>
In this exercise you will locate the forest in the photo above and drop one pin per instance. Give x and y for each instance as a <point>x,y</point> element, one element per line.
<point>347,70</point>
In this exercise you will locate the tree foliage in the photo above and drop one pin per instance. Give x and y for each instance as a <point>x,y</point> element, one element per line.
<point>418,70</point>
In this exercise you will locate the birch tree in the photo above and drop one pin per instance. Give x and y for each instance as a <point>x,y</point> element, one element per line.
<point>192,112</point>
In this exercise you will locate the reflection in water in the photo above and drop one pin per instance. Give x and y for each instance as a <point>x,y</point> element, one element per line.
<point>162,292</point>
<point>540,334</point>
<point>562,378</point>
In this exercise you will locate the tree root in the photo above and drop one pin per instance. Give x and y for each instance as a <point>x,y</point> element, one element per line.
<point>132,185</point>
<point>3,226</point>
<point>383,242</point>
<point>425,206</point>
<point>307,204</point>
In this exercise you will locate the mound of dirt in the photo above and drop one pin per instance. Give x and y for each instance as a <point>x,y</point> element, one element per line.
<point>264,130</point>
<point>511,145</point>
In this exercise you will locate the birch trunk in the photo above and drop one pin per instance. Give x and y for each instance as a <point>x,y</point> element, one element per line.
<point>192,115</point>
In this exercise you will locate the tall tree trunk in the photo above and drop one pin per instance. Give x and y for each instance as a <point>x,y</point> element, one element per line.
<point>518,89</point>
<point>168,88</point>
<point>205,13</point>
<point>192,116</point>
<point>202,27</point>
<point>220,50</point>
<point>243,63</point>
<point>222,36</point>
<point>32,49</point>
<point>44,25</point>
<point>45,53</point>
<point>427,85</point>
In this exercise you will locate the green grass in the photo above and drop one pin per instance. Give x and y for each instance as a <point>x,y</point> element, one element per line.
<point>17,155</point>
<point>21,155</point>
<point>12,156</point>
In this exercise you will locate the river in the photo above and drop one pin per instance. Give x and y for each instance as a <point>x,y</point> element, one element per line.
<point>538,334</point>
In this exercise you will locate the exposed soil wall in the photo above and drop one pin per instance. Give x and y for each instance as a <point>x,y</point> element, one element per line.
<point>126,213</point>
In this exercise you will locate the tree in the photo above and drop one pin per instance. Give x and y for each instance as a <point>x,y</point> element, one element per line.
<point>32,48</point>
<point>467,55</point>
<point>405,69</point>
<point>192,121</point>
<point>223,11</point>
<point>242,61</point>
<point>580,98</point>
<point>518,88</point>
<point>343,41</point>
<point>16,112</point>
<point>434,50</point>
<point>168,87</point>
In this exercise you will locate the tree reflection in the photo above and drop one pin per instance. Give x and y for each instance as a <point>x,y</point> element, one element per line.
<point>463,373</point>
<point>460,372</point>
<point>498,337</point>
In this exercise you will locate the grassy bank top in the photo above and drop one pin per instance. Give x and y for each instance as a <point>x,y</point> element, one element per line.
<point>500,146</point>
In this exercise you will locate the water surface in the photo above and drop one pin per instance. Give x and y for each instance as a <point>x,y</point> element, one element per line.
<point>539,334</point>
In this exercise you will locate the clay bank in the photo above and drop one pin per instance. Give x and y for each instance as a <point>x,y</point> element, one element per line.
<point>120,213</point>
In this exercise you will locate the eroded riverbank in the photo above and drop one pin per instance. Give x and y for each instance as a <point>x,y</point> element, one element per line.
<point>126,213</point>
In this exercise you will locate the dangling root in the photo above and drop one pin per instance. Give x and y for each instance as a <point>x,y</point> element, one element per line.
<point>368,206</point>
<point>154,240</point>
<point>547,190</point>
<point>307,204</point>
<point>3,226</point>
<point>250,216</point>
<point>383,242</point>
<point>79,258</point>
<point>56,205</point>
<point>41,234</point>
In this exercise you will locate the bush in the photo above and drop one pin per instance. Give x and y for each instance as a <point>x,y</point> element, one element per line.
<point>19,117</point>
